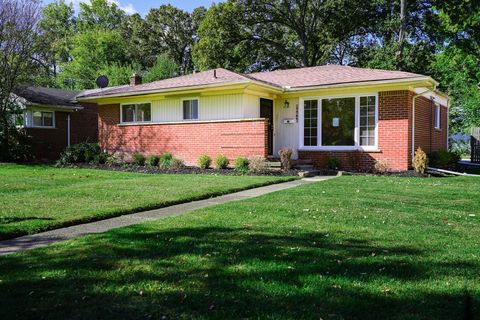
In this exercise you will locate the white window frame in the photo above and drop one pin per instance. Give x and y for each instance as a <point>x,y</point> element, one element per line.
<point>198,107</point>
<point>135,113</point>
<point>320,147</point>
<point>42,111</point>
<point>438,116</point>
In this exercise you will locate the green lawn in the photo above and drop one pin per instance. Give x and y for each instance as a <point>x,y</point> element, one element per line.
<point>38,198</point>
<point>347,248</point>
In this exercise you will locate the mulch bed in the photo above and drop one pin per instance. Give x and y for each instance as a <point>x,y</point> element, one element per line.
<point>185,170</point>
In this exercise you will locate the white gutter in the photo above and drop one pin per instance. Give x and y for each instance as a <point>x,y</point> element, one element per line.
<point>364,83</point>
<point>413,119</point>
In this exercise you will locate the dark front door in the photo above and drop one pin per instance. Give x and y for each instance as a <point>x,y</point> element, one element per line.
<point>266,111</point>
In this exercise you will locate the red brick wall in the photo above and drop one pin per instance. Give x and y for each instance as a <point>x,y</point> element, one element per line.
<point>49,143</point>
<point>84,124</point>
<point>426,136</point>
<point>186,141</point>
<point>394,136</point>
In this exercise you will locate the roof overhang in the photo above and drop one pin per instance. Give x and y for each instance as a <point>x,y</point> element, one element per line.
<point>54,107</point>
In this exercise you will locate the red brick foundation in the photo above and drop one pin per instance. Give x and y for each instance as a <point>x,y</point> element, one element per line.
<point>187,141</point>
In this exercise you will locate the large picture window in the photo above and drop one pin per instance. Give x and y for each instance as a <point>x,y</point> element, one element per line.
<point>140,112</point>
<point>340,123</point>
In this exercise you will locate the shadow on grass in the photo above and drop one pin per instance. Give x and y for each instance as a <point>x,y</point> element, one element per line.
<point>224,273</point>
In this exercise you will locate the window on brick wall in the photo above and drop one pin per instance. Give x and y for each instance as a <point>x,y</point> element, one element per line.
<point>339,123</point>
<point>43,119</point>
<point>190,109</point>
<point>140,112</point>
<point>437,116</point>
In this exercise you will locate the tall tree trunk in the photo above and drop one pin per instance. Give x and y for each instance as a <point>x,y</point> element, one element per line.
<point>401,33</point>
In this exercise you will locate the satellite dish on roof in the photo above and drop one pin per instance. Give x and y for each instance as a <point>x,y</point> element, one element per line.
<point>102,82</point>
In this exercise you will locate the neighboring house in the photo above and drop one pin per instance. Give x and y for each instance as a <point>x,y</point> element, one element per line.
<point>53,119</point>
<point>357,115</point>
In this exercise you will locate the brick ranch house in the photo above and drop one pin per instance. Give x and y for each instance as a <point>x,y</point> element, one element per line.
<point>53,119</point>
<point>356,115</point>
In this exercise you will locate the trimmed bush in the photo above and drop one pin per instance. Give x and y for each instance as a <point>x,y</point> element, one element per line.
<point>101,158</point>
<point>333,163</point>
<point>204,161</point>
<point>177,164</point>
<point>80,153</point>
<point>165,160</point>
<point>286,158</point>
<point>443,158</point>
<point>420,161</point>
<point>221,162</point>
<point>257,164</point>
<point>153,160</point>
<point>382,166</point>
<point>138,158</point>
<point>241,165</point>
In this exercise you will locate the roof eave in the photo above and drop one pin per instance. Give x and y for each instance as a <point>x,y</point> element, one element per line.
<point>364,83</point>
<point>54,106</point>
<point>160,91</point>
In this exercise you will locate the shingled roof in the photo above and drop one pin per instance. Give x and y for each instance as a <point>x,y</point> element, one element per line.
<point>281,79</point>
<point>48,96</point>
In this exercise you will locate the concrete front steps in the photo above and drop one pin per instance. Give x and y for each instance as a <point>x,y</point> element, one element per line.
<point>305,167</point>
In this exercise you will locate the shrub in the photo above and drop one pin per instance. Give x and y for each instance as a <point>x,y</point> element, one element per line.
<point>138,158</point>
<point>333,163</point>
<point>204,161</point>
<point>420,161</point>
<point>382,166</point>
<point>165,160</point>
<point>257,164</point>
<point>443,158</point>
<point>460,147</point>
<point>112,160</point>
<point>176,164</point>
<point>101,158</point>
<point>153,160</point>
<point>286,158</point>
<point>221,162</point>
<point>80,153</point>
<point>241,165</point>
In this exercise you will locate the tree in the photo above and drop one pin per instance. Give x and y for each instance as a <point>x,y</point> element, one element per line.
<point>57,28</point>
<point>100,15</point>
<point>163,68</point>
<point>18,30</point>
<point>281,33</point>
<point>118,74</point>
<point>92,51</point>
<point>458,66</point>
<point>172,31</point>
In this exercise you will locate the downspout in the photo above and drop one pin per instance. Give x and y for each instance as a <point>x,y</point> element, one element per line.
<point>413,120</point>
<point>68,129</point>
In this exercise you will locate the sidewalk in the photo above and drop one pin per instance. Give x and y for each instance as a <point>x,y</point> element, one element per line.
<point>53,236</point>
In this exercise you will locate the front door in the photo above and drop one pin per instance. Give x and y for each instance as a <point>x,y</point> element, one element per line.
<point>266,112</point>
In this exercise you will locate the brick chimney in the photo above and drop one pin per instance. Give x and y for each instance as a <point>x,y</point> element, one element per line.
<point>135,79</point>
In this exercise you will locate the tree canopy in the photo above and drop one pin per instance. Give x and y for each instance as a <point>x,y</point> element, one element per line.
<point>431,37</point>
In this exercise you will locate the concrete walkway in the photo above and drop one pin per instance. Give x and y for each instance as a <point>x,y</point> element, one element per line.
<point>57,235</point>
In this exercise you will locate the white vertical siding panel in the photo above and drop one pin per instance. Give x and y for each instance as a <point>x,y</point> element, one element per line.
<point>251,106</point>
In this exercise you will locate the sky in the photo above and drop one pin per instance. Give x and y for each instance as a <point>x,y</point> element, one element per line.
<point>143,6</point>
